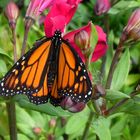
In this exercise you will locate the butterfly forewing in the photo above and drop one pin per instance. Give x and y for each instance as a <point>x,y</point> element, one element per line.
<point>28,73</point>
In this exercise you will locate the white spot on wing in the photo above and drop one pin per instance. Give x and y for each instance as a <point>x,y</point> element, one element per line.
<point>79,96</point>
<point>2,84</point>
<point>89,93</point>
<point>23,57</point>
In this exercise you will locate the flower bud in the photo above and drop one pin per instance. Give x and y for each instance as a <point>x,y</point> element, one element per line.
<point>132,29</point>
<point>99,91</point>
<point>52,123</point>
<point>12,12</point>
<point>72,106</point>
<point>82,39</point>
<point>101,7</point>
<point>37,130</point>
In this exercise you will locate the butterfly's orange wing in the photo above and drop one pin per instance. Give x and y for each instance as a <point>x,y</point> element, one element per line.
<point>72,77</point>
<point>28,74</point>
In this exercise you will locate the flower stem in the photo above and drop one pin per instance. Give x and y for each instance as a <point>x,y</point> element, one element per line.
<point>11,109</point>
<point>28,23</point>
<point>12,119</point>
<point>86,130</point>
<point>14,45</point>
<point>114,64</point>
<point>24,41</point>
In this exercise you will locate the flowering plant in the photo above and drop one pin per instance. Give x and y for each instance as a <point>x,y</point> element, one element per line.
<point>108,48</point>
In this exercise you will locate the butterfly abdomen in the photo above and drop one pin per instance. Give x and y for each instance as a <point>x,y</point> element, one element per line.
<point>52,62</point>
<point>51,74</point>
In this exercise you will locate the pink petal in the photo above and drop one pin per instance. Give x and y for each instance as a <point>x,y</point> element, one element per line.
<point>36,7</point>
<point>45,5</point>
<point>53,23</point>
<point>100,48</point>
<point>61,8</point>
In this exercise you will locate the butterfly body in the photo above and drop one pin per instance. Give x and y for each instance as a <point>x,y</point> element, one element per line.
<point>50,70</point>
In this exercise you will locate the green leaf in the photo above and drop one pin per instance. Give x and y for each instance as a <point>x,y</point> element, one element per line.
<point>115,95</point>
<point>101,128</point>
<point>132,78</point>
<point>22,137</point>
<point>93,40</point>
<point>24,118</point>
<point>3,68</point>
<point>2,52</point>
<point>121,71</point>
<point>109,53</point>
<point>25,129</point>
<point>93,36</point>
<point>3,3</point>
<point>77,122</point>
<point>117,128</point>
<point>45,108</point>
<point>132,106</point>
<point>122,5</point>
<point>25,122</point>
<point>38,118</point>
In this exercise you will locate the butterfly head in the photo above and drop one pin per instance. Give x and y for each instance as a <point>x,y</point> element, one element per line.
<point>57,38</point>
<point>57,34</point>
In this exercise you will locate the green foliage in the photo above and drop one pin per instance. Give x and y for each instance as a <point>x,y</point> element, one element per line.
<point>101,128</point>
<point>115,95</point>
<point>121,71</point>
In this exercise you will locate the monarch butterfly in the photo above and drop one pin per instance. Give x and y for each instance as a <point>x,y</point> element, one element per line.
<point>50,70</point>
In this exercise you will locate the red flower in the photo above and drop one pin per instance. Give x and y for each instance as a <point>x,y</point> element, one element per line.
<point>102,6</point>
<point>100,48</point>
<point>60,15</point>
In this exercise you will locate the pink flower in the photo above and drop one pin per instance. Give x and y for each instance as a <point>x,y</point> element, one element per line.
<point>36,7</point>
<point>60,15</point>
<point>132,29</point>
<point>101,6</point>
<point>100,48</point>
